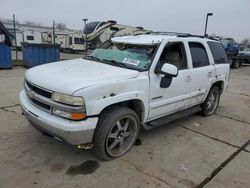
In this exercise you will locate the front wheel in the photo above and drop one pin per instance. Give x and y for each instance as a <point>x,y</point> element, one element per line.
<point>116,132</point>
<point>212,101</point>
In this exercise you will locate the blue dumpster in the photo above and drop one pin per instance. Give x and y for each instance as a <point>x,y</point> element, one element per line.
<point>38,54</point>
<point>5,56</point>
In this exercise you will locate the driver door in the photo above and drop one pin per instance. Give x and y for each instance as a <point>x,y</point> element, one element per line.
<point>164,101</point>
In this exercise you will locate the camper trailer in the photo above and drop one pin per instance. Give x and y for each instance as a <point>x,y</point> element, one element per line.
<point>47,37</point>
<point>32,37</point>
<point>70,42</point>
<point>100,32</point>
<point>27,36</point>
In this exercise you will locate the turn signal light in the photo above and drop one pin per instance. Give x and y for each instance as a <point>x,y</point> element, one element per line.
<point>78,116</point>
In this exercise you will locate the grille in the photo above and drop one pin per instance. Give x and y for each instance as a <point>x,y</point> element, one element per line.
<point>39,91</point>
<point>42,105</point>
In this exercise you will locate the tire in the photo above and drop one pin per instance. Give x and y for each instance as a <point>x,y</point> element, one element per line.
<point>116,132</point>
<point>212,101</point>
<point>236,64</point>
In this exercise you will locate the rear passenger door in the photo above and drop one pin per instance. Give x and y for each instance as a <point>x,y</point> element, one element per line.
<point>202,73</point>
<point>220,61</point>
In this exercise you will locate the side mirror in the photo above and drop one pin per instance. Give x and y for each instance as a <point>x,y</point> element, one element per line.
<point>169,69</point>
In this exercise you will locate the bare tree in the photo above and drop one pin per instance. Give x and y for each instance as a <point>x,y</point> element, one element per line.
<point>245,42</point>
<point>61,26</point>
<point>39,24</point>
<point>30,23</point>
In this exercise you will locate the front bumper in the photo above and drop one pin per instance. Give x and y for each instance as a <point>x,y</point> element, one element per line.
<point>71,132</point>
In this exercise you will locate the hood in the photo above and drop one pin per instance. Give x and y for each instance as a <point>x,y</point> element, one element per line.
<point>71,75</point>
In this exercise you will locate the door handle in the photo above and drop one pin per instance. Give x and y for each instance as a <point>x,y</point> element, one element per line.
<point>188,79</point>
<point>209,74</point>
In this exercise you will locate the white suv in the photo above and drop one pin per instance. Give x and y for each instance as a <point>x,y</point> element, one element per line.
<point>129,83</point>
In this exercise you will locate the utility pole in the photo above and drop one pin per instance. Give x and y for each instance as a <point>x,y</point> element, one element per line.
<point>14,25</point>
<point>208,14</point>
<point>54,35</point>
<point>86,36</point>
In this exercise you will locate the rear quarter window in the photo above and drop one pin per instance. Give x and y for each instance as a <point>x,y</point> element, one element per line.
<point>218,52</point>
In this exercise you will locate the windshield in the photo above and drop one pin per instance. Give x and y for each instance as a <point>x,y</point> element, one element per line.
<point>136,57</point>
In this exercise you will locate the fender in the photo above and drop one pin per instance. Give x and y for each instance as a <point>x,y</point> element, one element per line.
<point>101,104</point>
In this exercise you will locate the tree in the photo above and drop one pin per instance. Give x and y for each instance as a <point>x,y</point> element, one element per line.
<point>245,42</point>
<point>60,26</point>
<point>30,23</point>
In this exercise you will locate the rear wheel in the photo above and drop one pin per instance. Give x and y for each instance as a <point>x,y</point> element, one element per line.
<point>116,132</point>
<point>235,64</point>
<point>212,101</point>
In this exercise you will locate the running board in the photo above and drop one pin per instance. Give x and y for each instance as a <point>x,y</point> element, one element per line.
<point>169,118</point>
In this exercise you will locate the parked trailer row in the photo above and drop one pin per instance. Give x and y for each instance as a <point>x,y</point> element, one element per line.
<point>94,34</point>
<point>69,41</point>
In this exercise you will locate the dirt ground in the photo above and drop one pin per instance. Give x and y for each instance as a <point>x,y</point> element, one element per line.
<point>194,151</point>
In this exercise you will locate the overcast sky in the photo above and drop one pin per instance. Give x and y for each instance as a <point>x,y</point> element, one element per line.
<point>231,17</point>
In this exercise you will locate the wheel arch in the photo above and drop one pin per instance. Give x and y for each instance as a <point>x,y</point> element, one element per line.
<point>220,84</point>
<point>136,105</point>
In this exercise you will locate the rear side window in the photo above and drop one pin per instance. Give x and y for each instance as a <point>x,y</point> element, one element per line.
<point>218,52</point>
<point>199,54</point>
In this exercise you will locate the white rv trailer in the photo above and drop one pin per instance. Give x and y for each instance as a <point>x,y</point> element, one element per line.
<point>70,42</point>
<point>32,37</point>
<point>27,36</point>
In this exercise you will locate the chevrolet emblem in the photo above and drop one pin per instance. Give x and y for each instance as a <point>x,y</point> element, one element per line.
<point>31,94</point>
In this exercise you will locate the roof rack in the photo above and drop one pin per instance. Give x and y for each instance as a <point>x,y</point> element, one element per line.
<point>177,34</point>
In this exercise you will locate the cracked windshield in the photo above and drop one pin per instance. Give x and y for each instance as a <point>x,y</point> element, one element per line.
<point>127,56</point>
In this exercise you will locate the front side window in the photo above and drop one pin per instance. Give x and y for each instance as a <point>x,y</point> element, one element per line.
<point>199,55</point>
<point>218,52</point>
<point>173,53</point>
<point>136,57</point>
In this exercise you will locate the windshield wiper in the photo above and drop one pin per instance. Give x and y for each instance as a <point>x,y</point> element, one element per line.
<point>115,63</point>
<point>108,61</point>
<point>93,58</point>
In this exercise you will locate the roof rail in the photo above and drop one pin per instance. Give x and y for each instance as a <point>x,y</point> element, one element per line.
<point>177,34</point>
<point>169,33</point>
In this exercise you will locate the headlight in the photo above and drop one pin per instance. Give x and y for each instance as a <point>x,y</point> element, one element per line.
<point>67,99</point>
